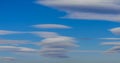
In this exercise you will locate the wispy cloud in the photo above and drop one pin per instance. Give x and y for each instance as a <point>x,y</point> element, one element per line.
<point>52,26</point>
<point>46,34</point>
<point>14,42</point>
<point>111,43</point>
<point>115,49</point>
<point>115,39</point>
<point>86,9</point>
<point>6,32</point>
<point>17,49</point>
<point>8,58</point>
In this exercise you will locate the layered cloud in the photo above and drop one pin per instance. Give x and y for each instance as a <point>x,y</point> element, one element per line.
<point>86,9</point>
<point>52,26</point>
<point>55,45</point>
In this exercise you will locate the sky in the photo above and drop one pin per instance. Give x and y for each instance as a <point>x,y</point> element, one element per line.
<point>62,31</point>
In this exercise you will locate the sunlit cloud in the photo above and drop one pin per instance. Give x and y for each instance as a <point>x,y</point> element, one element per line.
<point>52,26</point>
<point>115,31</point>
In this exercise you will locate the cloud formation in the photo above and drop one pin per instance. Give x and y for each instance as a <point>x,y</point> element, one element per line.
<point>8,58</point>
<point>115,30</point>
<point>116,39</point>
<point>14,42</point>
<point>56,46</point>
<point>17,49</point>
<point>115,49</point>
<point>46,34</point>
<point>86,9</point>
<point>111,43</point>
<point>52,26</point>
<point>6,32</point>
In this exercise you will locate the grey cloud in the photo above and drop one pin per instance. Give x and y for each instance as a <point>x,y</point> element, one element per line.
<point>57,46</point>
<point>8,58</point>
<point>115,49</point>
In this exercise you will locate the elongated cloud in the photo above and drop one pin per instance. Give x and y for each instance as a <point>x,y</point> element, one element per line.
<point>8,58</point>
<point>111,43</point>
<point>14,42</point>
<point>115,49</point>
<point>17,49</point>
<point>52,26</point>
<point>115,30</point>
<point>86,9</point>
<point>6,32</point>
<point>116,39</point>
<point>46,34</point>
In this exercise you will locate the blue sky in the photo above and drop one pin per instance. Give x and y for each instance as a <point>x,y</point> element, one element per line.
<point>33,31</point>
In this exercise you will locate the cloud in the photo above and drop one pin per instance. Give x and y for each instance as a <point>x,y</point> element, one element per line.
<point>111,43</point>
<point>17,49</point>
<point>87,51</point>
<point>115,49</point>
<point>8,58</point>
<point>110,39</point>
<point>52,26</point>
<point>14,42</point>
<point>115,30</point>
<point>55,45</point>
<point>5,32</point>
<point>46,34</point>
<point>86,9</point>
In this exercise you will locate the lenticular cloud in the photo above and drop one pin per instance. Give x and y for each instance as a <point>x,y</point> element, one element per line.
<point>57,47</point>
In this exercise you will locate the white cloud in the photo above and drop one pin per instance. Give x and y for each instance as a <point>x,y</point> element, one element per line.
<point>5,32</point>
<point>8,58</point>
<point>111,43</point>
<point>14,42</point>
<point>17,49</point>
<point>115,30</point>
<point>46,34</point>
<point>110,39</point>
<point>86,9</point>
<point>87,51</point>
<point>56,26</point>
